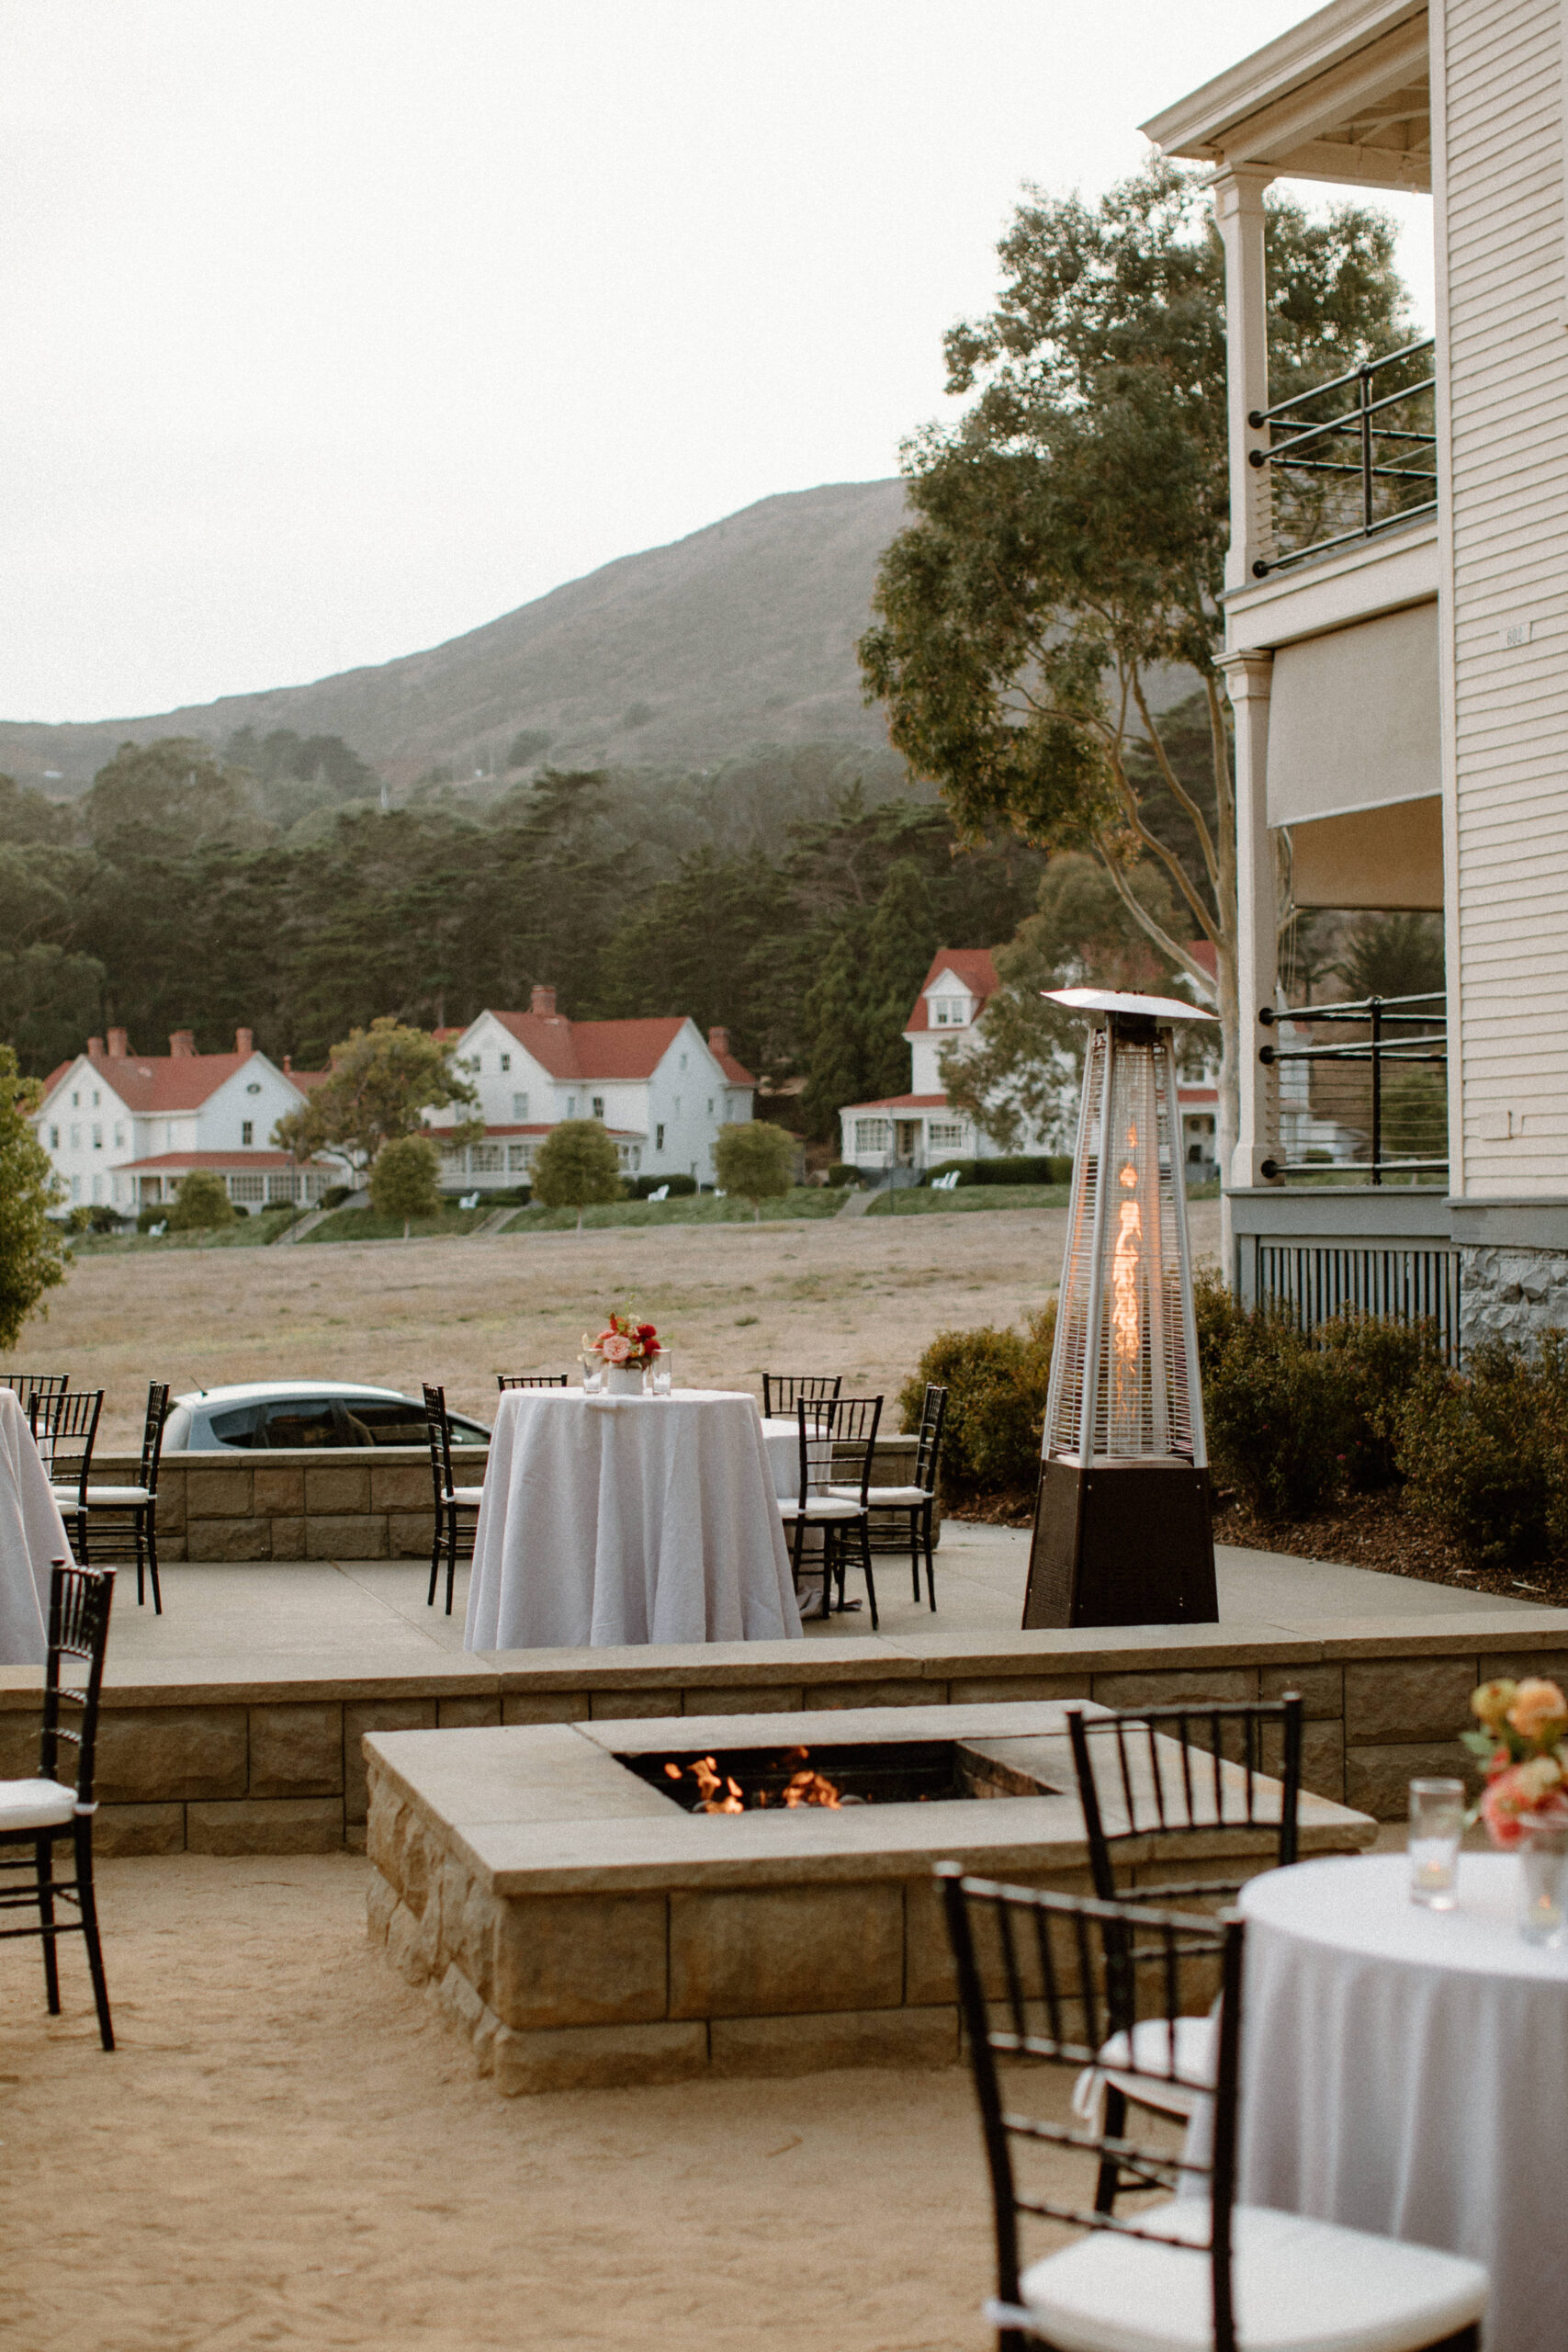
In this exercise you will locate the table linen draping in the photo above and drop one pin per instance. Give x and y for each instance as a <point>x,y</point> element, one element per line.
<point>1404,2071</point>
<point>33,1533</point>
<point>781,1435</point>
<point>627,1520</point>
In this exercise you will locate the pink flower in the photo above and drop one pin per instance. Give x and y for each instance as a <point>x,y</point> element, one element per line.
<point>1539,1711</point>
<point>617,1347</point>
<point>1526,1797</point>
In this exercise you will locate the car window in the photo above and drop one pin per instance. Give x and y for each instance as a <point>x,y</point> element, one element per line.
<point>391,1420</point>
<point>468,1432</point>
<point>238,1427</point>
<point>301,1421</point>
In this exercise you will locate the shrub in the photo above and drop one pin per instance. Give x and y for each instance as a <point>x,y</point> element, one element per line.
<point>102,1218</point>
<point>155,1214</point>
<point>578,1164</point>
<point>1042,1168</point>
<point>405,1180</point>
<point>202,1202</point>
<point>1278,1412</point>
<point>1486,1453</point>
<point>756,1160</point>
<point>842,1176</point>
<point>679,1188</point>
<point>335,1195</point>
<point>1381,1364</point>
<point>995,1383</point>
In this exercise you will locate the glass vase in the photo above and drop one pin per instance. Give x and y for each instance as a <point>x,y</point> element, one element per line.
<point>1543,1870</point>
<point>622,1379</point>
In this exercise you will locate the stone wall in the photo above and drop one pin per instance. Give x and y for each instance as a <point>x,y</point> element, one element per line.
<point>1512,1293</point>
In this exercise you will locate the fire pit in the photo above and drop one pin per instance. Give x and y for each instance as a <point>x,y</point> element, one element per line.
<point>581,1919</point>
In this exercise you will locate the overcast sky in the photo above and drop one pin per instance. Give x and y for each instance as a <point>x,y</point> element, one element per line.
<point>333,328</point>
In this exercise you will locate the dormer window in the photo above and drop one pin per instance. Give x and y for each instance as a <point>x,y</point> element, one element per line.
<point>950,1011</point>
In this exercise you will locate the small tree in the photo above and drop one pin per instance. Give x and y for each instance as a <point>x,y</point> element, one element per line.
<point>403,1181</point>
<point>578,1164</point>
<point>33,1256</point>
<point>757,1161</point>
<point>383,1080</point>
<point>201,1203</point>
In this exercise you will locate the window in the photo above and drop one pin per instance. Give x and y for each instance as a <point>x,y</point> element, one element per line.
<point>873,1135</point>
<point>677,1106</point>
<point>98,1136</point>
<point>505,1063</point>
<point>683,1061</point>
<point>657,1139</point>
<point>75,1188</point>
<point>946,1135</point>
<point>75,1101</point>
<point>520,1106</point>
<point>710,1106</point>
<point>118,1136</point>
<point>950,1012</point>
<point>280,1188</point>
<point>75,1138</point>
<point>485,1159</point>
<point>248,1188</point>
<point>519,1155</point>
<point>247,1132</point>
<point>54,1139</point>
<point>598,1106</point>
<point>572,1106</point>
<point>97,1187</point>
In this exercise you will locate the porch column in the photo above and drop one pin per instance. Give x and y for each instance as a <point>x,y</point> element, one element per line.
<point>1248,677</point>
<point>1238,208</point>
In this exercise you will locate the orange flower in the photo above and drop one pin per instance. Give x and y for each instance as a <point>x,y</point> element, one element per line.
<point>1539,1711</point>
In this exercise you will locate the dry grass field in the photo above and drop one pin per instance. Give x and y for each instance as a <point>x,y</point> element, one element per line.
<point>861,1295</point>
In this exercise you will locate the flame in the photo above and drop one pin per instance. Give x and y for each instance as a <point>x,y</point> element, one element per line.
<point>722,1795</point>
<point>1126,1320</point>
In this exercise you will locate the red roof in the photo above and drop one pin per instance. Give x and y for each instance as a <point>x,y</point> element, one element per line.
<point>901,1102</point>
<point>1205,955</point>
<point>1193,1098</point>
<point>261,1161</point>
<point>736,1072</point>
<point>973,966</point>
<point>630,1135</point>
<point>603,1050</point>
<point>150,1084</point>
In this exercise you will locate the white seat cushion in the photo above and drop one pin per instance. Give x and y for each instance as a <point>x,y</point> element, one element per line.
<point>886,1498</point>
<point>35,1805</point>
<point>114,1498</point>
<point>473,1495</point>
<point>1301,2285</point>
<point>1194,2062</point>
<point>818,1507</point>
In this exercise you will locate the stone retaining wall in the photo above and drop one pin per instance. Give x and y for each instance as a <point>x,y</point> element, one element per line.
<point>209,1760</point>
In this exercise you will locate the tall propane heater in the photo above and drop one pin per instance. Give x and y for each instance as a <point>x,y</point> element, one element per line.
<point>1123,1534</point>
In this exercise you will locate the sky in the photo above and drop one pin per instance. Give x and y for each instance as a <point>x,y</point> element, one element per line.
<point>334,328</point>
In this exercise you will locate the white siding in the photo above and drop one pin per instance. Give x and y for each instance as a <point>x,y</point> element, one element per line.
<point>1508,356</point>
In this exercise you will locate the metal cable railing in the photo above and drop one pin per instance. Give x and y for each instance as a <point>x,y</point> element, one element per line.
<point>1368,1108</point>
<point>1350,475</point>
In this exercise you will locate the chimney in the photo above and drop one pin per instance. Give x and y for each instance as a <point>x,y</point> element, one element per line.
<point>94,1049</point>
<point>182,1043</point>
<point>718,1043</point>
<point>544,1002</point>
<point>244,1041</point>
<point>287,1064</point>
<point>120,1045</point>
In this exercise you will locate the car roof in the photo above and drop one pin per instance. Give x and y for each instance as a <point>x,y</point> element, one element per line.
<point>256,1392</point>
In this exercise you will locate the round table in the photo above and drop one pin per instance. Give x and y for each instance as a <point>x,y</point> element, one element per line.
<point>781,1436</point>
<point>614,1520</point>
<point>1406,2071</point>
<point>33,1533</point>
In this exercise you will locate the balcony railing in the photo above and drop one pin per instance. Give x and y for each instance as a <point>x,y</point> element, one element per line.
<point>1377,1101</point>
<point>1368,464</point>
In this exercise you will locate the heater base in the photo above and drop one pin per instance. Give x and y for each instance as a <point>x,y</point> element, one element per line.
<point>1122,1544</point>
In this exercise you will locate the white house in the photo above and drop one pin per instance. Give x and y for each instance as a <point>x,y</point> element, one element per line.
<point>916,1130</point>
<point>121,1128</point>
<point>662,1088</point>
<point>1396,653</point>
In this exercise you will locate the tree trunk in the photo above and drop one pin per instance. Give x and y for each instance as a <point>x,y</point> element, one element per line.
<point>579,1216</point>
<point>405,1228</point>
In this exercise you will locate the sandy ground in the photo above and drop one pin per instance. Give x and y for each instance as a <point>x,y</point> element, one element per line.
<point>288,2149</point>
<point>863,1296</point>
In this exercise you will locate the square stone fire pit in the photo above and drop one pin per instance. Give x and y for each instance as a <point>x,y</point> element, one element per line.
<point>582,1927</point>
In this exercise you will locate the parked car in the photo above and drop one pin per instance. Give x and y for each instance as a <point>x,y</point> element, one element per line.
<point>301,1413</point>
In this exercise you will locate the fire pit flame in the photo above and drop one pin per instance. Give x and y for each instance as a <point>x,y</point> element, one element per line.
<point>717,1794</point>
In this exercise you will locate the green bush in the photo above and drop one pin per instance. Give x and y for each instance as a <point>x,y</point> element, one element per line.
<point>680,1188</point>
<point>154,1214</point>
<point>201,1203</point>
<point>335,1195</point>
<point>995,1383</point>
<point>102,1218</point>
<point>1486,1453</point>
<point>1024,1168</point>
<point>1381,1365</point>
<point>405,1180</point>
<point>842,1176</point>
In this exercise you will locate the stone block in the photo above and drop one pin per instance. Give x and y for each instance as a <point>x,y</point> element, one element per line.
<point>619,1706</point>
<point>1517,1665</point>
<point>812,2045</point>
<point>361,1538</point>
<point>19,1733</point>
<point>140,1829</point>
<point>287,1539</point>
<point>901,1693</point>
<point>222,1492</point>
<point>228,1539</point>
<point>297,1749</point>
<point>381,1902</point>
<point>411,1945</point>
<point>1007,1689</point>
<point>745,1698</point>
<point>336,1487</point>
<point>546,1707</point>
<point>1170,1686</point>
<point>172,1547</point>
<point>410,1534</point>
<point>603,2057</point>
<point>265,1825</point>
<point>164,1754</point>
<point>375,1714</point>
<point>1377,1780</point>
<point>580,1960</point>
<point>1322,1689</point>
<point>170,1514</point>
<point>1322,1760</point>
<point>399,1486</point>
<point>929,1975</point>
<point>1391,1699</point>
<point>470,1926</point>
<point>451,1713</point>
<point>280,1492</point>
<point>772,1951</point>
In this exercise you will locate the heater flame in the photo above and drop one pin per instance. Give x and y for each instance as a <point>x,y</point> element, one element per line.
<point>1126,1319</point>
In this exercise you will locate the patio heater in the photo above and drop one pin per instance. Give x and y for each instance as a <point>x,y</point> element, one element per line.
<point>1121,1523</point>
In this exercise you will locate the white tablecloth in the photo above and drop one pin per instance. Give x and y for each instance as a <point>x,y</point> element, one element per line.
<point>33,1533</point>
<point>1406,2071</point>
<point>781,1435</point>
<point>627,1519</point>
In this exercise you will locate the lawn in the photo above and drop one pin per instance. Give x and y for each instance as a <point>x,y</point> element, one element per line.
<point>363,1224</point>
<point>245,1233</point>
<point>698,1208</point>
<point>919,1202</point>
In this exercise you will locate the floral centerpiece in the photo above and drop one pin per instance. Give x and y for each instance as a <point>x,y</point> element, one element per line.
<point>626,1348</point>
<point>1520,1743</point>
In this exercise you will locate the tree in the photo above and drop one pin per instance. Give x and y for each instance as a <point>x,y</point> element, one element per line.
<point>756,1160</point>
<point>383,1080</point>
<point>577,1164</point>
<point>202,1204</point>
<point>1070,533</point>
<point>403,1181</point>
<point>33,1256</point>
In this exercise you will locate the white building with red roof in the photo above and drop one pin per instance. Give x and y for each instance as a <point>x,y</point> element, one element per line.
<point>121,1129</point>
<point>662,1088</point>
<point>916,1130</point>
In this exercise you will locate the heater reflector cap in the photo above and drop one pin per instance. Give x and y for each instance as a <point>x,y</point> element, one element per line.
<point>1114,1001</point>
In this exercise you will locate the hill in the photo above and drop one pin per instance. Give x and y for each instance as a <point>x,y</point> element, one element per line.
<point>682,656</point>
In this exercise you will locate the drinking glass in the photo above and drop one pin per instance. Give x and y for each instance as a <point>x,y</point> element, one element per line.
<point>1437,1825</point>
<point>592,1375</point>
<point>663,1373</point>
